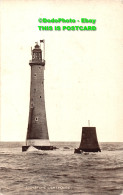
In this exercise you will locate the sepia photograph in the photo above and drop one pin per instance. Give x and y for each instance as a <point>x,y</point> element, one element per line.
<point>61,97</point>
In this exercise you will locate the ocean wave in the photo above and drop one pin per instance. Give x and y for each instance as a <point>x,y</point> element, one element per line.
<point>113,168</point>
<point>29,172</point>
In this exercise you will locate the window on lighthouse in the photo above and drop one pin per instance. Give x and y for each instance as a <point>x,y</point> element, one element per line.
<point>36,118</point>
<point>35,55</point>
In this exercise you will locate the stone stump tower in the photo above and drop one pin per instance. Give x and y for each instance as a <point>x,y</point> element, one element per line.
<point>89,141</point>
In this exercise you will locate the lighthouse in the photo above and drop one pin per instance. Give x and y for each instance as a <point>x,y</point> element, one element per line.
<point>37,131</point>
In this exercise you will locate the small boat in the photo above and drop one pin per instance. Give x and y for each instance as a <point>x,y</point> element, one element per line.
<point>78,151</point>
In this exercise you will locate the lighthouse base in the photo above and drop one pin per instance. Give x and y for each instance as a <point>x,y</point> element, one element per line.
<point>25,148</point>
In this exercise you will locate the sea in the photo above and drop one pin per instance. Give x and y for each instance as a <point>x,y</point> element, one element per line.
<point>61,171</point>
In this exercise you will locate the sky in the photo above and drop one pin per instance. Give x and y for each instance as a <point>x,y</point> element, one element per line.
<point>83,71</point>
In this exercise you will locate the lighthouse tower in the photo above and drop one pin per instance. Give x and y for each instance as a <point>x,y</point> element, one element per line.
<point>37,132</point>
